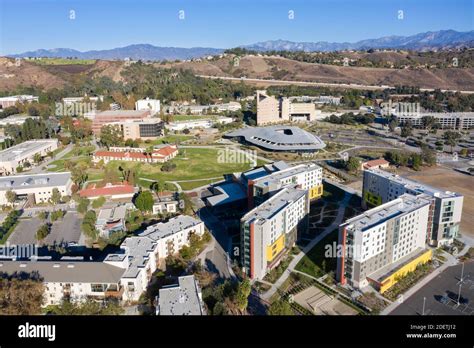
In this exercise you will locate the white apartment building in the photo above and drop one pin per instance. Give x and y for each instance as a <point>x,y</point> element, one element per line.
<point>73,279</point>
<point>124,275</point>
<point>35,188</point>
<point>148,104</point>
<point>446,120</point>
<point>73,100</point>
<point>6,102</point>
<point>381,187</point>
<point>306,176</point>
<point>16,120</point>
<point>141,254</point>
<point>201,123</point>
<point>271,229</point>
<point>18,155</point>
<point>385,242</point>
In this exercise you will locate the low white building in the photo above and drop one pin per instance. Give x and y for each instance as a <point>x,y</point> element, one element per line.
<point>184,298</point>
<point>148,104</point>
<point>124,275</point>
<point>6,102</point>
<point>17,156</point>
<point>200,123</point>
<point>35,188</point>
<point>141,254</point>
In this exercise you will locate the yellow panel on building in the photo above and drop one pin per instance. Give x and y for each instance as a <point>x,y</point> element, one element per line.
<point>316,191</point>
<point>274,249</point>
<point>391,280</point>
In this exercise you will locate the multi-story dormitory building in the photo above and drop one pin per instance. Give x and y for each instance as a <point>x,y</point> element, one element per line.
<point>380,187</point>
<point>384,243</point>
<point>123,275</point>
<point>276,198</point>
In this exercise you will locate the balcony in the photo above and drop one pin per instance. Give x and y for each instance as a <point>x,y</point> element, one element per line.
<point>114,292</point>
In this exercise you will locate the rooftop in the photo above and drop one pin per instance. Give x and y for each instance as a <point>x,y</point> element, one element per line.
<point>66,271</point>
<point>280,138</point>
<point>227,193</point>
<point>275,203</point>
<point>111,214</point>
<point>181,299</point>
<point>107,190</point>
<point>402,205</point>
<point>17,182</point>
<point>123,113</point>
<point>285,173</point>
<point>26,148</point>
<point>165,229</point>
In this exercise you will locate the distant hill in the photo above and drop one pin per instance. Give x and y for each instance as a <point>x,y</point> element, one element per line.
<point>443,39</point>
<point>436,40</point>
<point>134,52</point>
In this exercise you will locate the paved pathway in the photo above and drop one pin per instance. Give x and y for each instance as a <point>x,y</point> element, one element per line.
<point>337,221</point>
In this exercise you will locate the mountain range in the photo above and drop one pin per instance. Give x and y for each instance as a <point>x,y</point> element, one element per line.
<point>436,40</point>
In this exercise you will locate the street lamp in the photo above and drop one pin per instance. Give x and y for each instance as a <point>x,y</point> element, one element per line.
<point>424,301</point>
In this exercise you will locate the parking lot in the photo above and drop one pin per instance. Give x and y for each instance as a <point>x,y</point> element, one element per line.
<point>442,294</point>
<point>67,230</point>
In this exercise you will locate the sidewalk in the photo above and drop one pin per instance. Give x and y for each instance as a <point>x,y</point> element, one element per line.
<point>337,221</point>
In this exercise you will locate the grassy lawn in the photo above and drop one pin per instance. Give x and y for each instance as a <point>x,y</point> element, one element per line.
<point>194,164</point>
<point>59,164</point>
<point>63,61</point>
<point>312,262</point>
<point>193,184</point>
<point>171,138</point>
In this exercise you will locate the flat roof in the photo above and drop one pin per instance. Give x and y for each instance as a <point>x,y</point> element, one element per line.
<point>275,203</point>
<point>404,204</point>
<point>122,113</point>
<point>298,169</point>
<point>281,138</point>
<point>67,271</point>
<point>141,245</point>
<point>18,182</point>
<point>228,192</point>
<point>114,213</point>
<point>27,147</point>
<point>414,185</point>
<point>165,229</point>
<point>181,299</point>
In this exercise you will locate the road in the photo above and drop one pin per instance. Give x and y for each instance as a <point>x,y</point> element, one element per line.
<point>38,169</point>
<point>320,84</point>
<point>451,261</point>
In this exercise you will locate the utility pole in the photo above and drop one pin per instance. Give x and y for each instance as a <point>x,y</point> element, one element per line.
<point>460,283</point>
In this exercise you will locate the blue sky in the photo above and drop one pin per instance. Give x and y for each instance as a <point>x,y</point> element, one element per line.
<point>102,24</point>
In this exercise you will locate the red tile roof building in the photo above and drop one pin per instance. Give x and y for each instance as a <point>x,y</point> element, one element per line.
<point>160,155</point>
<point>378,163</point>
<point>114,191</point>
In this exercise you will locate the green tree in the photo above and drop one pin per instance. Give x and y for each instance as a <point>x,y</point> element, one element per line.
<point>416,161</point>
<point>451,138</point>
<point>407,130</point>
<point>88,225</point>
<point>55,196</point>
<point>280,307</point>
<point>144,201</point>
<point>99,202</point>
<point>243,292</point>
<point>353,164</point>
<point>11,197</point>
<point>37,158</point>
<point>83,205</point>
<point>43,232</point>
<point>111,135</point>
<point>21,294</point>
